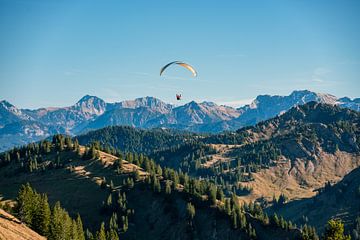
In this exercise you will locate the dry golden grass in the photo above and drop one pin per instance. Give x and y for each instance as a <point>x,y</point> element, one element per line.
<point>296,180</point>
<point>221,155</point>
<point>300,180</point>
<point>77,190</point>
<point>12,229</point>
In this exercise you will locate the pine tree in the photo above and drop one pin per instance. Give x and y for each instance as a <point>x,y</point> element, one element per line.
<point>41,219</point>
<point>74,231</point>
<point>25,203</point>
<point>112,233</point>
<point>55,228</point>
<point>109,201</point>
<point>234,219</point>
<point>89,235</point>
<point>101,234</point>
<point>80,230</point>
<point>168,187</point>
<point>227,206</point>
<point>125,223</point>
<point>212,194</point>
<point>190,210</point>
<point>335,231</point>
<point>111,185</point>
<point>159,170</point>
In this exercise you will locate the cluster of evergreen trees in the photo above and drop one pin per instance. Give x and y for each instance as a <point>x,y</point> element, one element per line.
<point>116,206</point>
<point>214,189</point>
<point>131,139</point>
<point>33,157</point>
<point>34,210</point>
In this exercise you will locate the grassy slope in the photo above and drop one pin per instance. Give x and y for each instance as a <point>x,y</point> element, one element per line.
<point>156,217</point>
<point>340,201</point>
<point>12,229</point>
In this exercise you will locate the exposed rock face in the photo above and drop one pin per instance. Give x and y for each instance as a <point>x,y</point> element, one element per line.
<point>91,112</point>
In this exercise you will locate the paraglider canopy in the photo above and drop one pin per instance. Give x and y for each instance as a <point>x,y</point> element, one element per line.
<point>185,65</point>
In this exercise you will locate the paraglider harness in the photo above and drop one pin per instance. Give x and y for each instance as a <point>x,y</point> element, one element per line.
<point>178,97</point>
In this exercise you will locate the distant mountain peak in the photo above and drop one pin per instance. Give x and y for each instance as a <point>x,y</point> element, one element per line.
<point>147,102</point>
<point>89,98</point>
<point>6,104</point>
<point>91,112</point>
<point>90,106</point>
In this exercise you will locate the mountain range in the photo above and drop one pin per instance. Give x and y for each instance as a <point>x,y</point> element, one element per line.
<point>271,180</point>
<point>21,126</point>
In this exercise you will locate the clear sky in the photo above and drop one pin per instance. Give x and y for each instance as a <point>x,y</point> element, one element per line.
<point>54,52</point>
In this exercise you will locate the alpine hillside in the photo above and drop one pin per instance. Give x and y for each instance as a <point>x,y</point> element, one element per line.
<point>21,126</point>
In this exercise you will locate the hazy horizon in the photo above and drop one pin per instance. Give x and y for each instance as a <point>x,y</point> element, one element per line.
<point>234,104</point>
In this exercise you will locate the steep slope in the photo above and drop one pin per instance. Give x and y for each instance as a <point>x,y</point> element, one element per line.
<point>136,140</point>
<point>338,201</point>
<point>150,112</point>
<point>12,229</point>
<point>79,183</point>
<point>21,132</point>
<point>91,113</point>
<point>265,107</point>
<point>145,102</point>
<point>138,117</point>
<point>291,154</point>
<point>10,114</point>
<point>299,151</point>
<point>85,109</point>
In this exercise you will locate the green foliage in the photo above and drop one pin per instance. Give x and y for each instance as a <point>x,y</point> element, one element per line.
<point>135,140</point>
<point>212,194</point>
<point>33,208</point>
<point>101,234</point>
<point>190,213</point>
<point>308,233</point>
<point>168,187</point>
<point>335,231</point>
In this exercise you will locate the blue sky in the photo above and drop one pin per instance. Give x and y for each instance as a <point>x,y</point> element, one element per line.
<point>54,52</point>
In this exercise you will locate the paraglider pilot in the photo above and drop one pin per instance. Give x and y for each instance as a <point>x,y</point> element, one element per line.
<point>178,97</point>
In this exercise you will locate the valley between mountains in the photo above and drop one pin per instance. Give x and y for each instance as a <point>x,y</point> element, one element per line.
<point>283,178</point>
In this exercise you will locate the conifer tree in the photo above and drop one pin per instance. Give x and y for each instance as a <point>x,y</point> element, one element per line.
<point>234,219</point>
<point>80,230</point>
<point>168,187</point>
<point>125,223</point>
<point>74,231</point>
<point>25,203</point>
<point>335,231</point>
<point>190,211</point>
<point>41,219</point>
<point>55,228</point>
<point>101,234</point>
<point>212,194</point>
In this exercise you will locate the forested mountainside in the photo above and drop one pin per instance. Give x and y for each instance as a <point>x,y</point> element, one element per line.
<point>21,126</point>
<point>291,155</point>
<point>333,200</point>
<point>136,200</point>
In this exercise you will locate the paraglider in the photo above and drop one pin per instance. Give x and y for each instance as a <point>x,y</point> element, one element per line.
<point>182,64</point>
<point>185,65</point>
